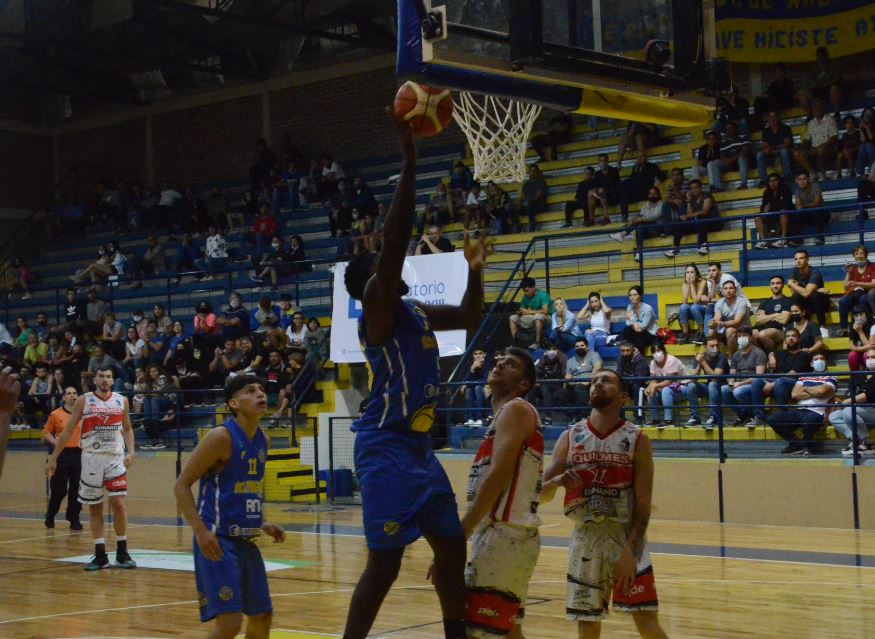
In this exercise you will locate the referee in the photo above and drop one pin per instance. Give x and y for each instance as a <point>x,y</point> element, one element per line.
<point>65,481</point>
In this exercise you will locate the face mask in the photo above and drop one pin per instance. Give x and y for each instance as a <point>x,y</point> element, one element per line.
<point>659,357</point>
<point>276,247</point>
<point>795,316</point>
<point>138,318</point>
<point>742,342</point>
<point>870,363</point>
<point>819,365</point>
<point>861,263</point>
<point>550,355</point>
<point>580,352</point>
<point>235,304</point>
<point>711,351</point>
<point>860,319</point>
<point>654,199</point>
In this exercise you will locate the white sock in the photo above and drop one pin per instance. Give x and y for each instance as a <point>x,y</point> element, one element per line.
<point>100,540</point>
<point>121,538</point>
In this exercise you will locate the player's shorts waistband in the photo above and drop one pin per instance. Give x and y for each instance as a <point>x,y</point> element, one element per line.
<point>247,534</point>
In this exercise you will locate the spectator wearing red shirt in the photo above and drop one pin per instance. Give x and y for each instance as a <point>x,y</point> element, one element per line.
<point>207,331</point>
<point>859,284</point>
<point>264,227</point>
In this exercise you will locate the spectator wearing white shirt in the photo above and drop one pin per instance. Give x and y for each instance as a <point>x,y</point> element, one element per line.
<point>474,207</point>
<point>215,253</point>
<point>645,224</point>
<point>820,144</point>
<point>297,332</point>
<point>331,175</point>
<point>597,311</point>
<point>167,208</point>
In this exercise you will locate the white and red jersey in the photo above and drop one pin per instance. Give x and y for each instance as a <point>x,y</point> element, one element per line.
<point>102,420</point>
<point>605,464</point>
<point>518,502</point>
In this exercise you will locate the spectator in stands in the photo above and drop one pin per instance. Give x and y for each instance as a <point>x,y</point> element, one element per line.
<point>646,223</point>
<point>316,342</point>
<point>732,108</point>
<point>5,340</point>
<point>433,243</point>
<point>866,192</point>
<point>475,401</point>
<point>263,160</point>
<point>152,262</point>
<point>635,188</point>
<point>186,378</point>
<point>113,335</point>
<point>638,135</point>
<point>98,270</point>
<point>101,359</point>
<point>35,351</point>
<point>139,321</point>
<point>533,198</point>
<point>461,181</point>
<point>707,159</point>
<point>563,325</point>
<point>167,209</point>
<point>162,320</point>
<point>827,73</point>
<point>780,94</point>
<point>157,342</point>
<point>227,359</point>
<point>42,329</point>
<point>187,254</point>
<point>810,338</point>
<point>859,286</point>
<point>731,314</point>
<point>549,368</point>
<point>606,191</point>
<point>812,394</point>
<point>22,332</point>
<point>788,363</point>
<point>475,207</point>
<point>859,418</point>
<point>19,278</point>
<point>664,392</point>
<point>439,209</point>
<point>807,287</point>
<point>362,196</point>
<point>265,228</point>
<point>695,302</point>
<point>215,254</point>
<point>217,207</point>
<point>75,315</point>
<point>580,201</point>
<point>269,263</point>
<point>39,395</point>
<point>579,369</point>
<point>819,147</point>
<point>331,175</point>
<point>296,333</point>
<point>809,196</point>
<point>95,308</point>
<point>777,197</point>
<point>860,336</point>
<point>535,307</point>
<point>192,211</point>
<point>709,362</point>
<point>739,393</point>
<point>119,259</point>
<point>676,194</point>
<point>559,132</point>
<point>849,147</point>
<point>633,365</point>
<point>340,217</point>
<point>159,407</point>
<point>777,145</point>
<point>866,155</point>
<point>701,218</point>
<point>207,332</point>
<point>177,337</point>
<point>499,209</point>
<point>295,259</point>
<point>735,153</point>
<point>598,314</point>
<point>772,317</point>
<point>640,320</point>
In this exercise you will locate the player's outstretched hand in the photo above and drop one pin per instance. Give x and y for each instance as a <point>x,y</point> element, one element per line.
<point>477,252</point>
<point>408,146</point>
<point>624,571</point>
<point>9,390</point>
<point>209,545</point>
<point>278,534</point>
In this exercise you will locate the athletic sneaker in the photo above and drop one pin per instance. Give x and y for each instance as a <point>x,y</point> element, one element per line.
<point>664,425</point>
<point>779,243</point>
<point>619,236</point>
<point>671,253</point>
<point>739,421</point>
<point>761,245</point>
<point>864,449</point>
<point>123,560</point>
<point>703,249</point>
<point>793,449</point>
<point>75,525</point>
<point>699,338</point>
<point>709,423</point>
<point>752,423</point>
<point>97,562</point>
<point>692,421</point>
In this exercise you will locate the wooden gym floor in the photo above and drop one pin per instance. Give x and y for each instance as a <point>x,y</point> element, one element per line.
<point>714,581</point>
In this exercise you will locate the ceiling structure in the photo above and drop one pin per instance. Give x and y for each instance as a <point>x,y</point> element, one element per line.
<point>61,59</point>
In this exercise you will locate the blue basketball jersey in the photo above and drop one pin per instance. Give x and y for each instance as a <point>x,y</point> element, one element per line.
<point>406,375</point>
<point>230,500</point>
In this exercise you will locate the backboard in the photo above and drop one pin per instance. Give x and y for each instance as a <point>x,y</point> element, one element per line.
<point>580,56</point>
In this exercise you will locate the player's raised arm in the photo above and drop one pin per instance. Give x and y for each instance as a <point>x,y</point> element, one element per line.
<point>64,437</point>
<point>211,453</point>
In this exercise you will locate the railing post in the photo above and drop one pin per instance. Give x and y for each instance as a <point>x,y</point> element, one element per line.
<point>855,447</point>
<point>640,266</point>
<point>547,263</point>
<point>744,274</point>
<point>721,449</point>
<point>861,223</point>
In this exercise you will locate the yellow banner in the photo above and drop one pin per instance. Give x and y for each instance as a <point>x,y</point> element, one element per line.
<point>788,36</point>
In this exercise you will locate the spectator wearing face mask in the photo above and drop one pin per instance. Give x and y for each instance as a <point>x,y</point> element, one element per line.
<point>812,393</point>
<point>788,363</point>
<point>709,362</point>
<point>739,393</point>
<point>664,392</point>
<point>860,336</point>
<point>578,372</point>
<point>235,319</point>
<point>550,366</point>
<point>632,364</point>
<point>860,417</point>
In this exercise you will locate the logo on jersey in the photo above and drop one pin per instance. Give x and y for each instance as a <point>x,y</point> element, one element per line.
<point>625,445</point>
<point>202,599</point>
<point>262,456</point>
<point>391,528</point>
<point>487,612</point>
<point>225,593</point>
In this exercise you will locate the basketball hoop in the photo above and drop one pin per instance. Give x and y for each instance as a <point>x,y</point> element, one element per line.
<point>498,132</point>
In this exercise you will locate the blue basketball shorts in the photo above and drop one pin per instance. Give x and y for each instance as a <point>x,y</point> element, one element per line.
<point>405,491</point>
<point>235,583</point>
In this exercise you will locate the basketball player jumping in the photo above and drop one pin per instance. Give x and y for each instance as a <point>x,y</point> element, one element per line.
<point>503,493</point>
<point>229,463</point>
<point>405,491</point>
<point>9,390</point>
<point>105,433</point>
<point>606,467</point>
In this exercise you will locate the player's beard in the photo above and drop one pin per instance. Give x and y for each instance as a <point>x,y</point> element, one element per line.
<point>599,401</point>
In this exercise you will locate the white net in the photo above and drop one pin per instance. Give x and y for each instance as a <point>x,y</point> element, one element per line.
<point>498,131</point>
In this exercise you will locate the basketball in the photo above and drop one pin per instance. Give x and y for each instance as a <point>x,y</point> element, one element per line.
<point>427,109</point>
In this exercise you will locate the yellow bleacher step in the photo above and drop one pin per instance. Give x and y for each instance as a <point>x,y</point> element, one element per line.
<point>730,433</point>
<point>25,434</point>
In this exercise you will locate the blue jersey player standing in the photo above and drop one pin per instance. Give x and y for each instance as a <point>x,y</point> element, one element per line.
<point>229,463</point>
<point>405,491</point>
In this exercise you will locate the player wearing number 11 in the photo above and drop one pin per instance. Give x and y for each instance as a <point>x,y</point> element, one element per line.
<point>229,463</point>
